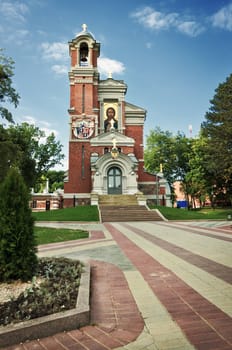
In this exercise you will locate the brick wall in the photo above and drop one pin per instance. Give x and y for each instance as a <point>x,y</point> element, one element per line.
<point>79,178</point>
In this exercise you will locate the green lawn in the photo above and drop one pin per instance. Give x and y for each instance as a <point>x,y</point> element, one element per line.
<point>197,214</point>
<point>46,235</point>
<point>90,213</point>
<point>79,213</point>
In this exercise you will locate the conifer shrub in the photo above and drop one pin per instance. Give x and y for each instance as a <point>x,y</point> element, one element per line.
<point>18,260</point>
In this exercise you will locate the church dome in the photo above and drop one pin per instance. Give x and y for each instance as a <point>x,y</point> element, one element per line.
<point>85,32</point>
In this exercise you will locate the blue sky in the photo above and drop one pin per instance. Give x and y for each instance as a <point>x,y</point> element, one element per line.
<point>172,54</point>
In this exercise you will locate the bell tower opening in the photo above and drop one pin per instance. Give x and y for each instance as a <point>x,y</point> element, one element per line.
<point>84,54</point>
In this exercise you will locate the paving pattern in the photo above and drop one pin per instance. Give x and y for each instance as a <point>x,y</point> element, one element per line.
<point>155,286</point>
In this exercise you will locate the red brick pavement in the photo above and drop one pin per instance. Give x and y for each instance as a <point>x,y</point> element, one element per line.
<point>115,318</point>
<point>221,229</point>
<point>221,271</point>
<point>205,325</point>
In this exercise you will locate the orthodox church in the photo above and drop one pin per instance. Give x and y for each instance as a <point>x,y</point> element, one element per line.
<point>106,135</point>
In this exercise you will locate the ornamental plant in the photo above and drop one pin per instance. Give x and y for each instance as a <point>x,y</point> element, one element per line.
<point>18,260</point>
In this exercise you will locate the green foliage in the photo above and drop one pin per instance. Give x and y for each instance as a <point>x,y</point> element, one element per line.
<point>195,178</point>
<point>56,180</point>
<point>17,242</point>
<point>8,152</point>
<point>79,213</point>
<point>204,164</point>
<point>160,150</point>
<point>172,151</point>
<point>7,93</point>
<point>46,235</point>
<point>27,147</point>
<point>217,128</point>
<point>196,214</point>
<point>24,146</point>
<point>57,291</point>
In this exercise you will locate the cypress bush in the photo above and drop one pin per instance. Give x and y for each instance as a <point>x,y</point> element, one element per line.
<point>18,260</point>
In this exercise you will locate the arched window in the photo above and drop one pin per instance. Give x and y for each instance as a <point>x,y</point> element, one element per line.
<point>84,53</point>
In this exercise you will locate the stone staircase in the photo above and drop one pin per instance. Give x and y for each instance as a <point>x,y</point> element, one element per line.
<point>117,199</point>
<point>121,208</point>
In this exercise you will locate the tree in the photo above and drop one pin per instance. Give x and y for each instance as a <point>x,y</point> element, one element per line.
<point>56,179</point>
<point>30,150</point>
<point>8,152</point>
<point>171,151</point>
<point>17,241</point>
<point>7,92</point>
<point>160,150</point>
<point>174,152</point>
<point>217,128</point>
<point>196,177</point>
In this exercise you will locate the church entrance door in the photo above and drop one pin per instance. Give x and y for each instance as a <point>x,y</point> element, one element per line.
<point>114,181</point>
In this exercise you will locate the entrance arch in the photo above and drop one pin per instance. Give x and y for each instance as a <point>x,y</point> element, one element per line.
<point>127,167</point>
<point>114,180</point>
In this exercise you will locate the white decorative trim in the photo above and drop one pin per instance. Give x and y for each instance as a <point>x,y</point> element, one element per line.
<point>77,195</point>
<point>147,183</point>
<point>84,81</point>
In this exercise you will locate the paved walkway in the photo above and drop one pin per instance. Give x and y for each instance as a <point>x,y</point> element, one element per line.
<point>155,286</point>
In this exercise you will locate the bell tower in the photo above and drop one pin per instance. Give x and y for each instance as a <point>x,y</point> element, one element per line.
<point>83,110</point>
<point>83,76</point>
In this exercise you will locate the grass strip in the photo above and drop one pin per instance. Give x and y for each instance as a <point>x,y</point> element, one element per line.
<point>45,235</point>
<point>195,214</point>
<point>79,213</point>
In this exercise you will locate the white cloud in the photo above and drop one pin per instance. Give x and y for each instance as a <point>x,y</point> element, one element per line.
<point>223,18</point>
<point>28,119</point>
<point>108,65</point>
<point>58,51</point>
<point>150,18</point>
<point>55,51</point>
<point>42,125</point>
<point>18,36</point>
<point>190,28</point>
<point>48,131</point>
<point>60,69</point>
<point>13,18</point>
<point>13,11</point>
<point>154,19</point>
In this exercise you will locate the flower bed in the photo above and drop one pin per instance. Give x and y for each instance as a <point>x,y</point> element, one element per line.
<point>40,311</point>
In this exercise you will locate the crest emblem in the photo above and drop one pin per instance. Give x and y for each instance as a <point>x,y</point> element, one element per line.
<point>83,129</point>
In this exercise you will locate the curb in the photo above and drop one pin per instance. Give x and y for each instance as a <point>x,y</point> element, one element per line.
<point>48,325</point>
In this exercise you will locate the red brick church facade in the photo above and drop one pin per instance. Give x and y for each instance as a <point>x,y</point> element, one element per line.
<point>106,134</point>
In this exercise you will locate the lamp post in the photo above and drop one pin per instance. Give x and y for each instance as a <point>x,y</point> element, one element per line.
<point>158,175</point>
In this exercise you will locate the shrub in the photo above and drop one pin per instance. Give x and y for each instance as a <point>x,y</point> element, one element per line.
<point>17,241</point>
<point>58,290</point>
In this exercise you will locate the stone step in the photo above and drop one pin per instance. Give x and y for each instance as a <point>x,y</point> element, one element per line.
<point>128,213</point>
<point>117,200</point>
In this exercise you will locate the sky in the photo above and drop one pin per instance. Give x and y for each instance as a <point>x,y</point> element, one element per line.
<point>172,54</point>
